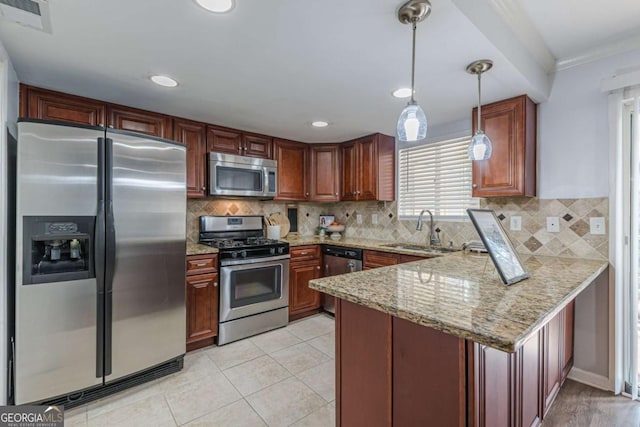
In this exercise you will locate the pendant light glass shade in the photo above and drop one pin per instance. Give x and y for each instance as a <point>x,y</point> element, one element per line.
<point>480,147</point>
<point>412,123</point>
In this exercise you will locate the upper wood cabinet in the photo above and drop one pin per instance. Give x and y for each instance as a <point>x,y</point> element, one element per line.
<point>140,121</point>
<point>36,103</point>
<point>368,171</point>
<point>230,141</point>
<point>193,135</point>
<point>292,158</point>
<point>511,170</point>
<point>324,172</point>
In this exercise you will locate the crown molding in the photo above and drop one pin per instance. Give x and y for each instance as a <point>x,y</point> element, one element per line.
<point>626,44</point>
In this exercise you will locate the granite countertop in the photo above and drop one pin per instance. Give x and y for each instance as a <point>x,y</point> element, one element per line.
<point>198,249</point>
<point>353,242</point>
<point>461,294</point>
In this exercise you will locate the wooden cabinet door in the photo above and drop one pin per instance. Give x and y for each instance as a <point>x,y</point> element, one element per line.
<point>292,158</point>
<point>494,384</point>
<point>224,141</point>
<point>529,382</point>
<point>511,170</point>
<point>567,338</point>
<point>257,146</point>
<point>139,121</point>
<point>552,369</point>
<point>202,307</point>
<point>301,297</point>
<point>193,135</point>
<point>368,169</point>
<point>349,154</point>
<point>42,104</point>
<point>324,171</point>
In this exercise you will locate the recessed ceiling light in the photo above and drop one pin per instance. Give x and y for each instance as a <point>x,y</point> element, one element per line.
<point>403,92</point>
<point>216,6</point>
<point>164,81</point>
<point>320,124</point>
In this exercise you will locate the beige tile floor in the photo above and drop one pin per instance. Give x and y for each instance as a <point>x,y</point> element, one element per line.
<point>281,378</point>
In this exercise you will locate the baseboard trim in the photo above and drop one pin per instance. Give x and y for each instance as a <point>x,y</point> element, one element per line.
<point>590,379</point>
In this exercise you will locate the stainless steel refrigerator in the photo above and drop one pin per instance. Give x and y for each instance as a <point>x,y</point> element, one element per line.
<point>100,261</point>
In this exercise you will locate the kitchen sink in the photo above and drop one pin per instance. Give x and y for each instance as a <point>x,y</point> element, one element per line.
<point>419,248</point>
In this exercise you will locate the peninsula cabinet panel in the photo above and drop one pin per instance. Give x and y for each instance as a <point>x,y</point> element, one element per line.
<point>363,366</point>
<point>140,121</point>
<point>553,343</point>
<point>292,158</point>
<point>324,170</point>
<point>433,395</point>
<point>511,170</point>
<point>202,310</point>
<point>567,335</point>
<point>528,383</point>
<point>193,135</point>
<point>303,300</point>
<point>222,140</point>
<point>493,394</point>
<point>36,103</point>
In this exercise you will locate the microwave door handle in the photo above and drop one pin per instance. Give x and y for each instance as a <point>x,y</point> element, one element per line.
<point>265,189</point>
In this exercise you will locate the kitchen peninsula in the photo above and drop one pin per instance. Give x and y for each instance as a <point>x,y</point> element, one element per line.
<point>444,342</point>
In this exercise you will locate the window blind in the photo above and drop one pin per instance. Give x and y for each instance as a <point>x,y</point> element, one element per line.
<point>435,176</point>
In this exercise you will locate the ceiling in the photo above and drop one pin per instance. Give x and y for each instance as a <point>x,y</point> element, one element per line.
<point>275,66</point>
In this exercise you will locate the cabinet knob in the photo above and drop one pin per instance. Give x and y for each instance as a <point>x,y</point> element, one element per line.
<point>239,148</point>
<point>244,148</point>
<point>307,194</point>
<point>101,125</point>
<point>336,194</point>
<point>204,188</point>
<point>215,284</point>
<point>317,267</point>
<point>475,186</point>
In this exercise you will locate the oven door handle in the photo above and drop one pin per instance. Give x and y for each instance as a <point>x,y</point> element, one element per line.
<point>243,261</point>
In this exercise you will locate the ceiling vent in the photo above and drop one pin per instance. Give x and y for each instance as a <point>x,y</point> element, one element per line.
<point>29,13</point>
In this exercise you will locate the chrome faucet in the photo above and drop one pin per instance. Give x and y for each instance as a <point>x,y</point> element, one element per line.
<point>434,240</point>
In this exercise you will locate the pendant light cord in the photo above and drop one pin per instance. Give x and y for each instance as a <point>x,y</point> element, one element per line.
<point>413,63</point>
<point>478,127</point>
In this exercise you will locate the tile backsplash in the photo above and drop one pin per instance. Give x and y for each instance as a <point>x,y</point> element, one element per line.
<point>573,240</point>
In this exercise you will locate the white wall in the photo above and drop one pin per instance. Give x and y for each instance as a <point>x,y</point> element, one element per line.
<point>573,131</point>
<point>8,115</point>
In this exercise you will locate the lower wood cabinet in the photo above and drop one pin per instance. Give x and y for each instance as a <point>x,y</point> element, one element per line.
<point>202,301</point>
<point>376,259</point>
<point>304,301</point>
<point>392,372</point>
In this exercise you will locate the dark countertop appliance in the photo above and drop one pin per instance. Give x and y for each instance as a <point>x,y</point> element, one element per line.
<point>339,260</point>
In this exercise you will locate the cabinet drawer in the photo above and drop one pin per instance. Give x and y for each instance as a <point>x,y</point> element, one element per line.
<point>201,264</point>
<point>304,253</point>
<point>373,259</point>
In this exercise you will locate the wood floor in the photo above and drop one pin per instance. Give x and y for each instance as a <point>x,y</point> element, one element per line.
<point>579,405</point>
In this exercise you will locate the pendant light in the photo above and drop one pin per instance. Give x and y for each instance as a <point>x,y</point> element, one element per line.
<point>480,147</point>
<point>412,123</point>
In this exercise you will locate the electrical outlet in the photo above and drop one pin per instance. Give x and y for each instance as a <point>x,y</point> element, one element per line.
<point>596,224</point>
<point>553,224</point>
<point>516,223</point>
<point>374,219</point>
<point>359,219</point>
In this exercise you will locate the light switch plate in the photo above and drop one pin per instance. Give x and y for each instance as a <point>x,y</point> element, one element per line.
<point>597,225</point>
<point>359,219</point>
<point>553,224</point>
<point>374,219</point>
<point>516,223</point>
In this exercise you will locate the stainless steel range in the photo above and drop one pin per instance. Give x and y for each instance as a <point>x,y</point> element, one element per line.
<point>254,276</point>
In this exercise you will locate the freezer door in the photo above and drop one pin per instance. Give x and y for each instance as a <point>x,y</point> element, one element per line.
<point>56,323</point>
<point>147,201</point>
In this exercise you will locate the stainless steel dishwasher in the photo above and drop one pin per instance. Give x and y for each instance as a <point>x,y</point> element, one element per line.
<point>338,260</point>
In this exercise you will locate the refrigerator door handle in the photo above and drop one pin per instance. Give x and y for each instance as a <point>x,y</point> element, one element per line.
<point>110,254</point>
<point>99,261</point>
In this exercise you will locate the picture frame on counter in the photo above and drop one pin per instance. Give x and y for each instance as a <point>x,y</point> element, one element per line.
<point>326,220</point>
<point>500,248</point>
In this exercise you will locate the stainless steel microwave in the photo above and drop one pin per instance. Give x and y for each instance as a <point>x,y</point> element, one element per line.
<point>240,176</point>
